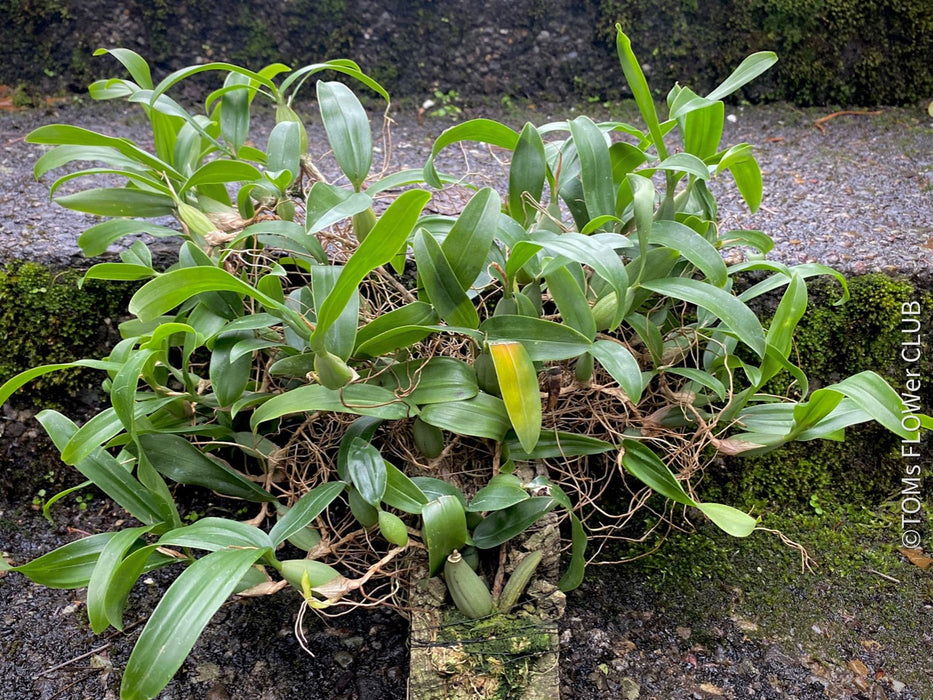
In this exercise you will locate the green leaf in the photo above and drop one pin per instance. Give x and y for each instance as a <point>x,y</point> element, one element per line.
<point>134,64</point>
<point>96,239</point>
<point>502,491</point>
<point>435,488</point>
<point>379,247</point>
<point>213,534</point>
<point>622,366</point>
<point>482,130</point>
<point>219,172</point>
<point>401,492</point>
<point>444,529</point>
<point>527,173</point>
<point>735,315</point>
<point>125,576</point>
<point>466,246</point>
<point>789,312</point>
<point>748,70</point>
<point>105,571</point>
<point>555,444</point>
<point>875,396</point>
<point>441,284</point>
<point>167,291</point>
<point>761,242</point>
<point>283,150</point>
<point>641,462</point>
<point>63,155</point>
<point>359,399</point>
<point>417,313</point>
<point>69,566</point>
<point>118,271</point>
<point>364,428</point>
<point>367,472</point>
<point>693,247</point>
<point>599,191</point>
<point>543,340</point>
<point>63,134</point>
<point>744,168</point>
<point>702,378</point>
<point>573,576</point>
<point>571,301</point>
<point>178,620</point>
<point>482,416</point>
<point>308,507</point>
<point>118,201</point>
<point>643,208</point>
<point>502,525</point>
<point>234,110</point>
<point>328,205</point>
<point>640,90</point>
<point>729,519</point>
<point>177,459</point>
<point>105,426</point>
<point>348,130</point>
<point>395,339</point>
<point>107,474</point>
<point>12,385</point>
<point>438,380</point>
<point>518,382</point>
<point>341,336</point>
<point>702,130</point>
<point>229,375</point>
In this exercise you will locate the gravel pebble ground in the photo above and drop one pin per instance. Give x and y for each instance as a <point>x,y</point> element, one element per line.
<point>856,194</point>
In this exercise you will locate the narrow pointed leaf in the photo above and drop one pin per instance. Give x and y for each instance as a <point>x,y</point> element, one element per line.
<point>571,301</point>
<point>599,191</point>
<point>729,519</point>
<point>178,620</point>
<point>734,314</point>
<point>482,416</point>
<point>466,246</point>
<point>555,444</point>
<point>693,247</point>
<point>348,130</point>
<point>361,399</point>
<point>502,525</point>
<point>543,340</point>
<point>748,70</point>
<point>104,572</point>
<point>69,566</point>
<point>177,459</point>
<point>502,491</point>
<point>438,380</point>
<point>527,173</point>
<point>482,130</point>
<point>308,507</point>
<point>621,365</point>
<point>118,201</point>
<point>441,284</point>
<point>401,492</point>
<point>641,462</point>
<point>380,246</point>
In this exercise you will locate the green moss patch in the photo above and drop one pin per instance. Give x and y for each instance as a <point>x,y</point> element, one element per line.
<point>45,318</point>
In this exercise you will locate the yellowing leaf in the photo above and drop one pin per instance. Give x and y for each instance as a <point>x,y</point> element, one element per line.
<point>518,382</point>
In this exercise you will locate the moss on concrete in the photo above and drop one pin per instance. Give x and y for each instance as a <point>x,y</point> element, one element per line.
<point>45,318</point>
<point>833,342</point>
<point>863,600</point>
